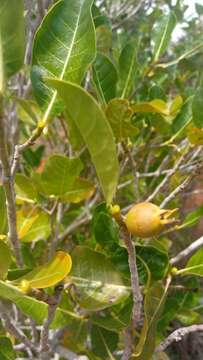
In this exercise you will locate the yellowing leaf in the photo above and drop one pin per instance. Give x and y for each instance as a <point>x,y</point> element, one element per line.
<point>154,106</point>
<point>49,274</point>
<point>176,105</point>
<point>82,189</point>
<point>33,224</point>
<point>195,135</point>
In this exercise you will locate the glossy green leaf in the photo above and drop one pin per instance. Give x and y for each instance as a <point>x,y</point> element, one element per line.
<point>96,132</point>
<point>47,275</point>
<point>197,107</point>
<point>59,174</point>
<point>103,342</point>
<point>3,213</point>
<point>33,224</point>
<point>5,258</point>
<point>34,308</point>
<point>25,190</point>
<point>6,349</point>
<point>184,117</point>
<point>104,78</point>
<point>12,38</point>
<point>194,266</point>
<point>162,34</point>
<point>127,69</point>
<point>99,284</point>
<point>106,231</point>
<point>119,113</point>
<point>64,47</point>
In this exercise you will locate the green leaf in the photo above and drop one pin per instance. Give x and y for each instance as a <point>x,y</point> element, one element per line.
<point>59,174</point>
<point>184,117</point>
<point>64,47</point>
<point>157,261</point>
<point>104,78</point>
<point>5,259</point>
<point>162,34</point>
<point>192,218</point>
<point>33,224</point>
<point>34,308</point>
<point>81,189</point>
<point>96,132</point>
<point>12,39</point>
<point>119,113</point>
<point>97,281</point>
<point>28,111</point>
<point>127,68</point>
<point>106,231</point>
<point>194,266</point>
<point>197,107</point>
<point>46,275</point>
<point>25,190</point>
<point>6,349</point>
<point>104,38</point>
<point>103,342</point>
<point>3,214</point>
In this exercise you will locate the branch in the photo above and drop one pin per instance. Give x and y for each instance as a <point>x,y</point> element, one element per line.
<point>184,254</point>
<point>13,330</point>
<point>53,302</point>
<point>137,296</point>
<point>8,185</point>
<point>182,186</point>
<point>178,335</point>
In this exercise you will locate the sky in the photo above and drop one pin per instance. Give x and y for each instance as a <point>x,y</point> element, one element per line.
<point>189,13</point>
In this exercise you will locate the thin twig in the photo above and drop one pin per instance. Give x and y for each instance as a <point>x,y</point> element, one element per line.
<point>178,335</point>
<point>186,253</point>
<point>181,187</point>
<point>8,185</point>
<point>13,330</point>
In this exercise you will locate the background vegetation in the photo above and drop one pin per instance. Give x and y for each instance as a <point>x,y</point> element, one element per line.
<point>101,104</point>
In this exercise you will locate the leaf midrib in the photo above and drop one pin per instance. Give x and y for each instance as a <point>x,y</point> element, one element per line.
<point>51,104</point>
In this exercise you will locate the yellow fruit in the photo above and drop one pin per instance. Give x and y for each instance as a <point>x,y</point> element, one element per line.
<point>146,219</point>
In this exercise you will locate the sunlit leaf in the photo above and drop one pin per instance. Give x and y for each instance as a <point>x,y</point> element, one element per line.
<point>195,135</point>
<point>96,132</point>
<point>119,113</point>
<point>127,68</point>
<point>49,274</point>
<point>64,46</point>
<point>25,190</point>
<point>33,224</point>
<point>162,34</point>
<point>154,106</point>
<point>59,174</point>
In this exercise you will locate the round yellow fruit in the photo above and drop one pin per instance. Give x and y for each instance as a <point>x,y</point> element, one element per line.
<point>146,219</point>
